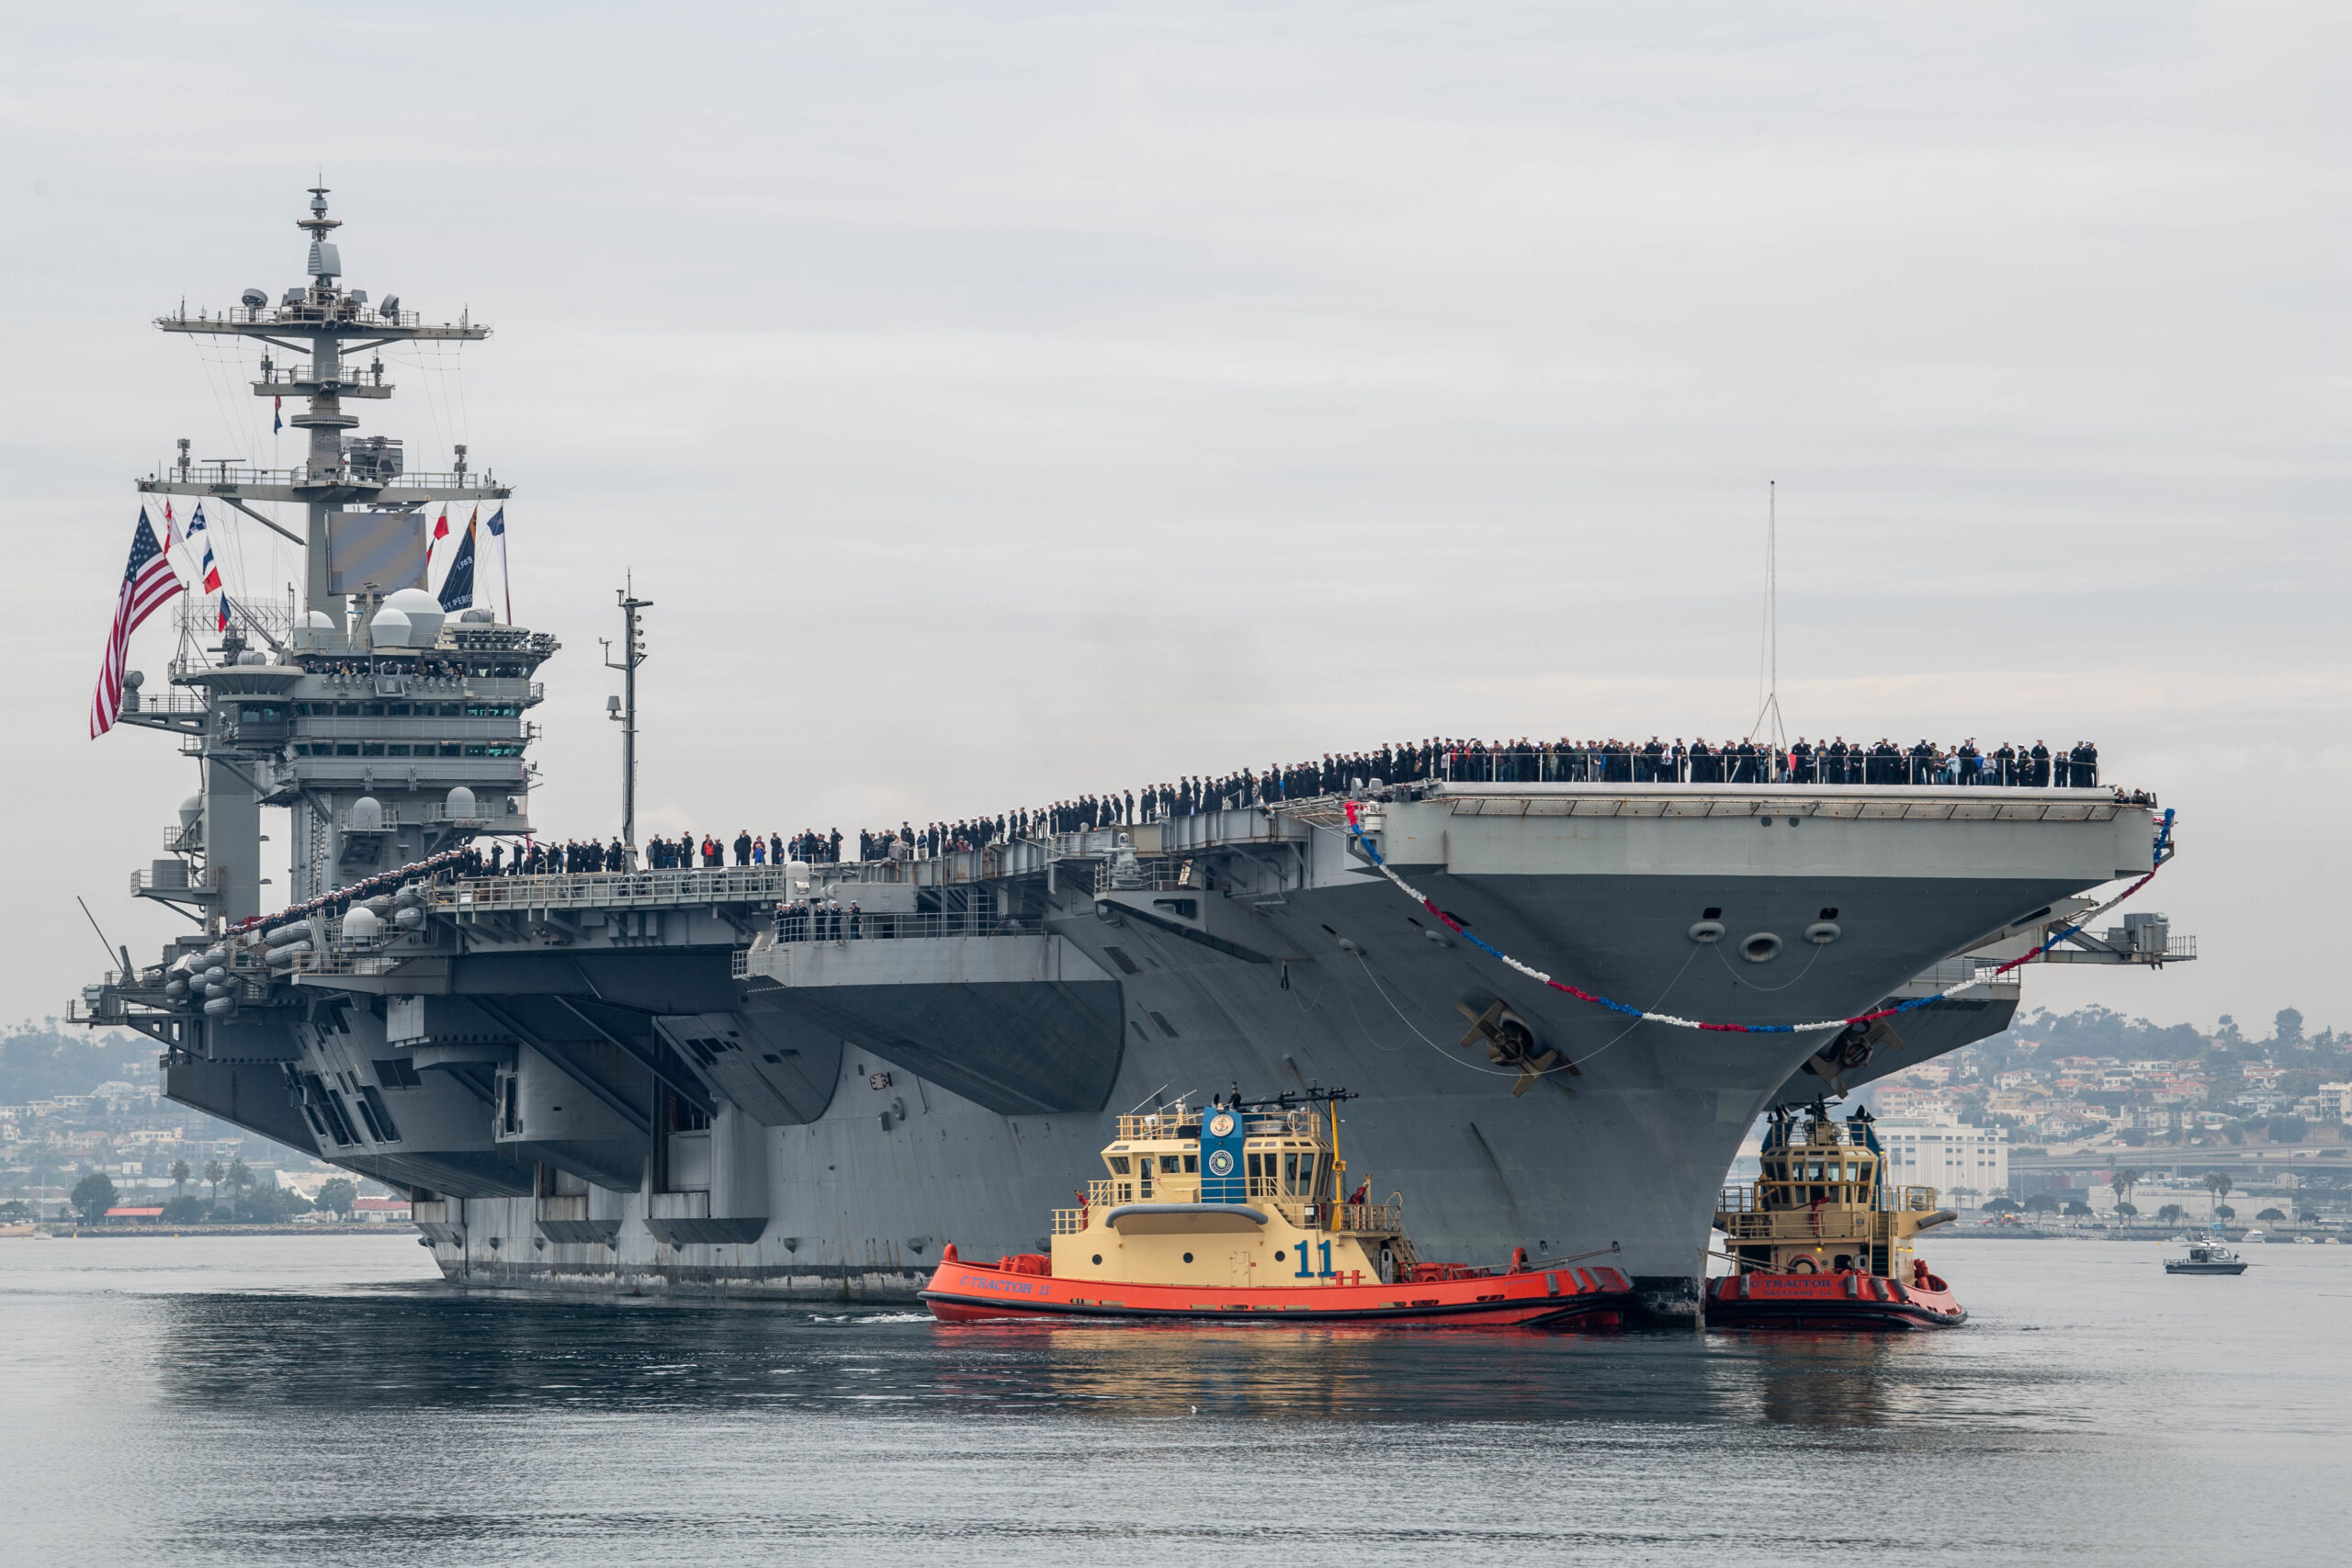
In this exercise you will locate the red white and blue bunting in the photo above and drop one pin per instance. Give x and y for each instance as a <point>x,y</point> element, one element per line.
<point>2057,935</point>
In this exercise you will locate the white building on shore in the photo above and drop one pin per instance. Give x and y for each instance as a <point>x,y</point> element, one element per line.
<point>1943,1152</point>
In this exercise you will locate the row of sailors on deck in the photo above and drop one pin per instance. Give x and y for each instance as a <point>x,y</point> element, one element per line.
<point>819,920</point>
<point>535,859</point>
<point>1833,761</point>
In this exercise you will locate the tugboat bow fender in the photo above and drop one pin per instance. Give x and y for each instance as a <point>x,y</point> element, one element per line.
<point>1940,1217</point>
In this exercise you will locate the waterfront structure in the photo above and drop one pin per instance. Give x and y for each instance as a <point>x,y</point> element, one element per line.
<point>651,1079</point>
<point>1947,1153</point>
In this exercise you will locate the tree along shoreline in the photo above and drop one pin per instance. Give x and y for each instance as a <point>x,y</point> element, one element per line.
<point>62,1230</point>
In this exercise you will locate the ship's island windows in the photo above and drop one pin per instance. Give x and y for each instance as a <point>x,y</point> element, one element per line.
<point>1118,1165</point>
<point>1170,1164</point>
<point>346,749</point>
<point>397,710</point>
<point>345,710</point>
<point>1193,1164</point>
<point>372,749</point>
<point>371,710</point>
<point>400,751</point>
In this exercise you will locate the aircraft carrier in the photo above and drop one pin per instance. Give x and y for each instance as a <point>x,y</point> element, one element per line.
<point>626,1081</point>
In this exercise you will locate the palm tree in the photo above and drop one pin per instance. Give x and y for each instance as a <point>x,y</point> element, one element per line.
<point>180,1173</point>
<point>2123,1178</point>
<point>240,1176</point>
<point>212,1175</point>
<point>2217,1182</point>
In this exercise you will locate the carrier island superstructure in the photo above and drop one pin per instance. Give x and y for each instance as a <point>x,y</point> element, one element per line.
<point>625,1080</point>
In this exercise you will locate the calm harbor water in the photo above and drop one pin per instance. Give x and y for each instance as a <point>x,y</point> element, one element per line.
<point>325,1400</point>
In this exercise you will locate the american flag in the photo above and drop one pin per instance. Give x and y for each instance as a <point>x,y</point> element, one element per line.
<point>148,583</point>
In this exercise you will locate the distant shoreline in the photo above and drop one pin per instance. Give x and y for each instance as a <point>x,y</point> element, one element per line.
<point>61,1231</point>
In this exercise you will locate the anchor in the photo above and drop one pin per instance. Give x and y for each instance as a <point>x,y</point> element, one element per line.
<point>1511,1042</point>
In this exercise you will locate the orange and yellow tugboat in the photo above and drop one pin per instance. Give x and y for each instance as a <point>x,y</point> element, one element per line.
<point>1822,1241</point>
<point>1234,1213</point>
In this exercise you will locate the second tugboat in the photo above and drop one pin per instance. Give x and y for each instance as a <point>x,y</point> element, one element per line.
<point>1822,1241</point>
<point>1236,1212</point>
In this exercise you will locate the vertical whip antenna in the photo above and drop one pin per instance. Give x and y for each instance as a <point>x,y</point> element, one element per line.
<point>1768,725</point>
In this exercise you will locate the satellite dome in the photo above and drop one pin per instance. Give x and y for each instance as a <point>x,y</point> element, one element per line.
<point>389,629</point>
<point>367,816</point>
<point>362,924</point>
<point>461,802</point>
<point>478,618</point>
<point>190,809</point>
<point>253,656</point>
<point>424,612</point>
<point>254,299</point>
<point>317,631</point>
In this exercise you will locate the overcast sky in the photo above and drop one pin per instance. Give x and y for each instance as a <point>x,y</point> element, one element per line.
<point>1005,401</point>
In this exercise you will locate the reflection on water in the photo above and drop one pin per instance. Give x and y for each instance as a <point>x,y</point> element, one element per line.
<point>410,1351</point>
<point>277,1410</point>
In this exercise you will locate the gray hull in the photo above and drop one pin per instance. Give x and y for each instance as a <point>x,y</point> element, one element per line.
<point>874,1099</point>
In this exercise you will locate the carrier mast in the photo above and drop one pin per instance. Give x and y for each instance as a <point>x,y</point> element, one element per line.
<point>331,325</point>
<point>389,737</point>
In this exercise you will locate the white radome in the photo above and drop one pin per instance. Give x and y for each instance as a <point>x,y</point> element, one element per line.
<point>424,612</point>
